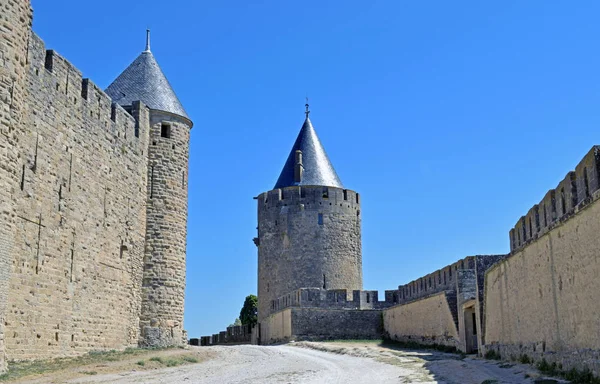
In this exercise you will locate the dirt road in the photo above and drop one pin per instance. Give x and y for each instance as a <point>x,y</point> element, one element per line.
<point>312,363</point>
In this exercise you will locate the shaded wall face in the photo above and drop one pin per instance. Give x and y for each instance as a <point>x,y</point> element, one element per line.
<point>545,296</point>
<point>164,261</point>
<point>427,321</point>
<point>16,20</point>
<point>277,327</point>
<point>307,237</point>
<point>80,217</point>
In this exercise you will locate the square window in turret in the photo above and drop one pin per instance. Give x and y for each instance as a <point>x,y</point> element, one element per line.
<point>165,130</point>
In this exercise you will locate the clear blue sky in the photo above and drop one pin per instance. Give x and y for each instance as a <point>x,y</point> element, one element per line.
<point>450,118</point>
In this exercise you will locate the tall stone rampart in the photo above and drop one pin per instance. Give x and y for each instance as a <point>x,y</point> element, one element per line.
<point>542,300</point>
<point>80,201</point>
<point>15,29</point>
<point>308,236</point>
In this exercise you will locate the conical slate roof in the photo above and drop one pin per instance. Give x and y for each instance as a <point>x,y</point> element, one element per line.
<point>143,80</point>
<point>317,167</point>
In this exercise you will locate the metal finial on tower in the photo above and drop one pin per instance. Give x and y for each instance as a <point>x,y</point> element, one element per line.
<point>307,110</point>
<point>147,40</point>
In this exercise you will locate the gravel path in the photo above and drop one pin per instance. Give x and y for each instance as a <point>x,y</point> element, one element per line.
<point>253,364</point>
<point>331,363</point>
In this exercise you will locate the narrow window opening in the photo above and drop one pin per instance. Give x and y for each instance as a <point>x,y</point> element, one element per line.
<point>326,193</point>
<point>72,337</point>
<point>357,200</point>
<point>57,86</point>
<point>182,179</point>
<point>122,250</point>
<point>324,282</point>
<point>524,230</point>
<point>345,194</point>
<point>59,196</point>
<point>553,204</point>
<point>113,112</point>
<point>368,298</point>
<point>474,325</point>
<point>72,262</point>
<point>165,130</point>
<point>537,219</point>
<point>56,336</point>
<point>302,192</point>
<point>562,201</point>
<point>320,219</point>
<point>23,178</point>
<point>35,156</point>
<point>530,228</point>
<point>152,182</point>
<point>445,275</point>
<point>586,182</point>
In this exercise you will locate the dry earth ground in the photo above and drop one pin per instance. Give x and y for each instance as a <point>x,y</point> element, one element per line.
<point>305,362</point>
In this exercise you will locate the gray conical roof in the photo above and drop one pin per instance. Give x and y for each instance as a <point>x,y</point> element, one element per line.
<point>317,167</point>
<point>143,80</point>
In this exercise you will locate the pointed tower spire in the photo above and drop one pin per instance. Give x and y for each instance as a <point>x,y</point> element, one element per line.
<point>143,80</point>
<point>308,155</point>
<point>147,40</point>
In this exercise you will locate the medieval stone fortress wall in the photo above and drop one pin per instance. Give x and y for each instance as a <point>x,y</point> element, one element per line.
<point>93,203</point>
<point>93,213</point>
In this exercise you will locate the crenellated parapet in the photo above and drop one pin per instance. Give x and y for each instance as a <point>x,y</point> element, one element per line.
<point>55,78</point>
<point>331,299</point>
<point>573,193</point>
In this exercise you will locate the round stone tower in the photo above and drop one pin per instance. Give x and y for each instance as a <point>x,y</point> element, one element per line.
<point>309,233</point>
<point>161,318</point>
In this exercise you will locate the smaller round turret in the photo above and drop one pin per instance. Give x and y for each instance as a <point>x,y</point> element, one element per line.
<point>163,286</point>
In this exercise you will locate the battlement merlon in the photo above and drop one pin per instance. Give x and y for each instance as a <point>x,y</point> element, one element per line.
<point>81,94</point>
<point>331,299</point>
<point>448,279</point>
<point>574,192</point>
<point>300,194</point>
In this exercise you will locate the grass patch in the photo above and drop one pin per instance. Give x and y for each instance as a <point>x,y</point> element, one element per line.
<point>524,359</point>
<point>415,345</point>
<point>368,341</point>
<point>27,368</point>
<point>158,359</point>
<point>190,359</point>
<point>89,372</point>
<point>575,376</point>
<point>173,362</point>
<point>492,355</point>
<point>141,363</point>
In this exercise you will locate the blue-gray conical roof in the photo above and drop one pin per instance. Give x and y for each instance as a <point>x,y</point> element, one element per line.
<point>317,167</point>
<point>143,80</point>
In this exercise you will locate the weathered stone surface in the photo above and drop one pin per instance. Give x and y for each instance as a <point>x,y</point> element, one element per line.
<point>308,237</point>
<point>93,208</point>
<point>542,300</point>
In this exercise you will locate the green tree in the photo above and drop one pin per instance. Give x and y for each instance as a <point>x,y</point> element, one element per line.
<point>236,322</point>
<point>249,312</point>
